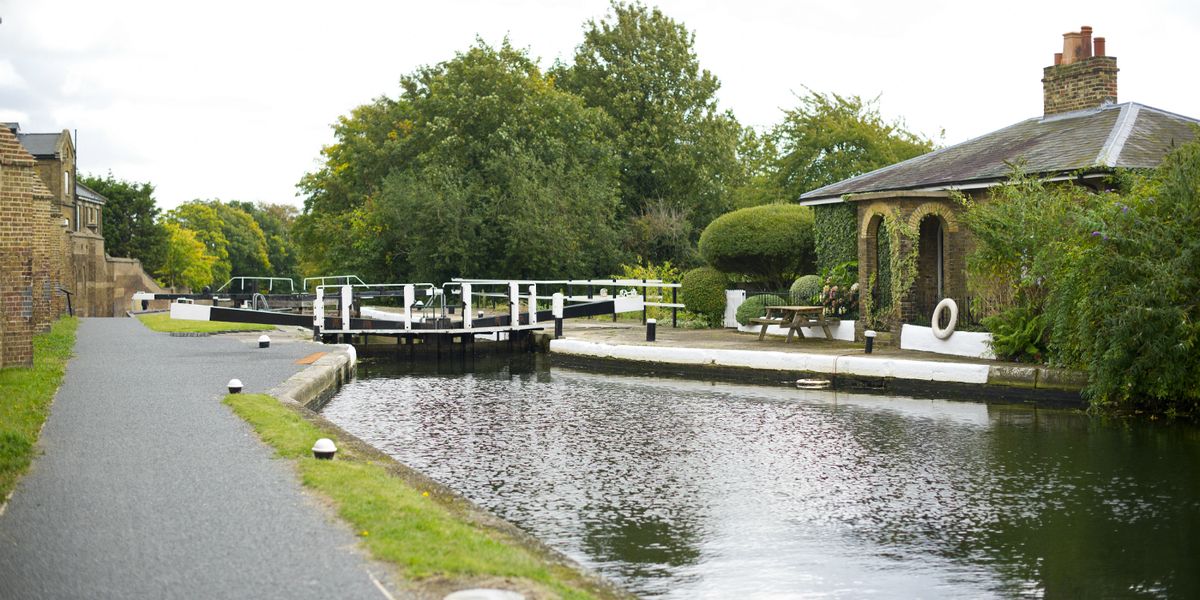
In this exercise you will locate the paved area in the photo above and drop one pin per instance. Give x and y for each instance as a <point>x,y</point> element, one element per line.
<point>149,487</point>
<point>633,332</point>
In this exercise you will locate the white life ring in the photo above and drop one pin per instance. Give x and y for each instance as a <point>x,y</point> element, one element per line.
<point>945,333</point>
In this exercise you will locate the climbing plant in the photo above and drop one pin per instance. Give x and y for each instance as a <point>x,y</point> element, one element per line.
<point>835,235</point>
<point>894,277</point>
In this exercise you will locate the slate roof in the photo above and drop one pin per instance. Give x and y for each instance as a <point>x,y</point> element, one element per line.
<point>1128,135</point>
<point>86,193</point>
<point>40,144</point>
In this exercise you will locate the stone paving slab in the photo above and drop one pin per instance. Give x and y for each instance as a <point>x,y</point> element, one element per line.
<point>150,487</point>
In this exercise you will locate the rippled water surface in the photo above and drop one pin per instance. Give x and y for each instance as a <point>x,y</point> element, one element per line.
<point>682,489</point>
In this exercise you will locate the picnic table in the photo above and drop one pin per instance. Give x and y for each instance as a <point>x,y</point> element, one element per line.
<point>794,317</point>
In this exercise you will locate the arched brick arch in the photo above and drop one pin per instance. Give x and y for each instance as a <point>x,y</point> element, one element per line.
<point>877,209</point>
<point>941,209</point>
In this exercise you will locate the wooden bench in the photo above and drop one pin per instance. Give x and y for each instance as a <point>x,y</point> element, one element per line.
<point>765,322</point>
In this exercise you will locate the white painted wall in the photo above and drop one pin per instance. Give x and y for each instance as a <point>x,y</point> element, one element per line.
<point>974,344</point>
<point>861,365</point>
<point>733,299</point>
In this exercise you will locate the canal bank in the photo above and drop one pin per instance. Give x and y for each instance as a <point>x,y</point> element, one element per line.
<point>733,356</point>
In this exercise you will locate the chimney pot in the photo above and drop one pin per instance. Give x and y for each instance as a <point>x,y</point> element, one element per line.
<point>1057,58</point>
<point>1071,51</point>
<point>1085,42</point>
<point>1099,44</point>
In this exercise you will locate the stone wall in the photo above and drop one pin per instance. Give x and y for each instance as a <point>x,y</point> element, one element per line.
<point>93,278</point>
<point>130,277</point>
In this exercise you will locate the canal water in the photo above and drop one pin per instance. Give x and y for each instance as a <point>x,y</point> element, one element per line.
<point>688,489</point>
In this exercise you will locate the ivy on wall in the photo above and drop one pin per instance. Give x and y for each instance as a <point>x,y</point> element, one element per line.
<point>835,233</point>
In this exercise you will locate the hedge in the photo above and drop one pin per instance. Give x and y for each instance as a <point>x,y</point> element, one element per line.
<point>771,243</point>
<point>703,292</point>
<point>756,306</point>
<point>835,235</point>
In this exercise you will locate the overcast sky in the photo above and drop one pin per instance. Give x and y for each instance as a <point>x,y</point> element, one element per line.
<point>234,100</point>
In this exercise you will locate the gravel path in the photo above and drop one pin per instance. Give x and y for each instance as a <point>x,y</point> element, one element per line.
<point>149,487</point>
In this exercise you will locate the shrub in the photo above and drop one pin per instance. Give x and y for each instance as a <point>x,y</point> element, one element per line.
<point>756,306</point>
<point>806,288</point>
<point>771,243</point>
<point>704,293</point>
<point>1018,334</point>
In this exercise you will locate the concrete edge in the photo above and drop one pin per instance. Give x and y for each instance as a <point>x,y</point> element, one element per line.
<point>1044,385</point>
<point>311,389</point>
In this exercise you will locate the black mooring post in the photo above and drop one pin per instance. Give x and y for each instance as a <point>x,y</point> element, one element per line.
<point>557,327</point>
<point>674,310</point>
<point>643,302</point>
<point>651,330</point>
<point>614,297</point>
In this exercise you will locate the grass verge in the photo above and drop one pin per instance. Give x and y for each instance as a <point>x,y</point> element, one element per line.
<point>401,524</point>
<point>164,322</point>
<point>25,396</point>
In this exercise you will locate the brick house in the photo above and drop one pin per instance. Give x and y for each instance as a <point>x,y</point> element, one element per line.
<point>51,241</point>
<point>1082,137</point>
<point>33,250</point>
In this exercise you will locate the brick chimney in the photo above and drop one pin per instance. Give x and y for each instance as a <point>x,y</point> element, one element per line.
<point>1081,76</point>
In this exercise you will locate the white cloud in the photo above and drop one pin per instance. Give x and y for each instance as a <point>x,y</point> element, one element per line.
<point>233,100</point>
<point>9,77</point>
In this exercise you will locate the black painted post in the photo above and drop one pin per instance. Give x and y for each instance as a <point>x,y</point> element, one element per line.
<point>614,297</point>
<point>558,327</point>
<point>651,330</point>
<point>674,310</point>
<point>643,301</point>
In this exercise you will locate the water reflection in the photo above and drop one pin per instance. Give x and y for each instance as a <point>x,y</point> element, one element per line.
<point>684,489</point>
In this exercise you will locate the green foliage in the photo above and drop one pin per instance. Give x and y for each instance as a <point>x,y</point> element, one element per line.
<point>835,234</point>
<point>807,288</point>
<point>482,167</point>
<point>703,291</point>
<point>187,262</point>
<point>131,220</point>
<point>27,394</point>
<point>664,272</point>
<point>1112,274</point>
<point>275,221</point>
<point>1018,334</point>
<point>675,145</point>
<point>829,137</point>
<point>773,242</point>
<point>756,306</point>
<point>661,231</point>
<point>758,183</point>
<point>204,223</point>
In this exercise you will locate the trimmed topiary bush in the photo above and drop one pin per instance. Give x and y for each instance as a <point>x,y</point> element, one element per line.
<point>756,306</point>
<point>806,288</point>
<point>703,292</point>
<point>771,243</point>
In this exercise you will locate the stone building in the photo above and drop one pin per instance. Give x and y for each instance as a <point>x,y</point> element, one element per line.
<point>52,244</point>
<point>1082,137</point>
<point>33,251</point>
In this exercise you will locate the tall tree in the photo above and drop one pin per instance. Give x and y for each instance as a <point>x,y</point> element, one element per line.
<point>131,220</point>
<point>275,220</point>
<point>829,137</point>
<point>186,261</point>
<point>230,234</point>
<point>677,149</point>
<point>481,167</point>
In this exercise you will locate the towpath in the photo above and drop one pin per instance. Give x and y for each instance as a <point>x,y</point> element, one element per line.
<point>150,487</point>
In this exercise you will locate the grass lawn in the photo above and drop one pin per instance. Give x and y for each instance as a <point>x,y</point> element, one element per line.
<point>25,395</point>
<point>396,522</point>
<point>164,322</point>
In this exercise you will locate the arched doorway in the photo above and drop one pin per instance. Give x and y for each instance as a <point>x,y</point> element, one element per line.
<point>930,286</point>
